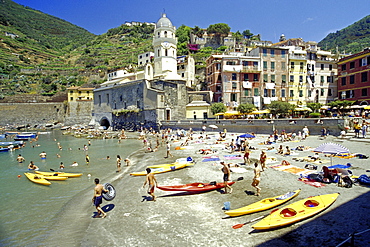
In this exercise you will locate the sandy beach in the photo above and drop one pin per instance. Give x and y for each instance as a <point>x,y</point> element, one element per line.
<point>180,219</point>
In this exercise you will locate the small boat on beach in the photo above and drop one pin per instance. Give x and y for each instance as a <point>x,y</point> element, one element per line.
<point>173,167</point>
<point>296,211</point>
<point>264,204</point>
<point>195,187</point>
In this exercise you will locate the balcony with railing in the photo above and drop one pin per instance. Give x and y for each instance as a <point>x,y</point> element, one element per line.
<point>251,69</point>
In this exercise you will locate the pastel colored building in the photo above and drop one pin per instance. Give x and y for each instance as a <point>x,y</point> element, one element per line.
<point>354,78</point>
<point>80,94</point>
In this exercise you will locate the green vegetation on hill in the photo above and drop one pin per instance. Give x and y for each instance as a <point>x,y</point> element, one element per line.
<point>51,32</point>
<point>351,39</point>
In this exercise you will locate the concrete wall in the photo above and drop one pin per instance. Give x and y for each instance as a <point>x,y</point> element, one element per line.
<point>31,113</point>
<point>261,126</point>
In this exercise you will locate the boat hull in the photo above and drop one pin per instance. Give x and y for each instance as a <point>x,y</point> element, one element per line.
<point>195,187</point>
<point>264,204</point>
<point>62,174</point>
<point>36,179</point>
<point>297,211</point>
<point>160,170</point>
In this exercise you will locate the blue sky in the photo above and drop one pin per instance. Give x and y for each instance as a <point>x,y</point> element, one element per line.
<point>311,20</point>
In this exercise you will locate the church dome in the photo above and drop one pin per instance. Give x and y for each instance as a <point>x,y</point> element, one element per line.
<point>164,22</point>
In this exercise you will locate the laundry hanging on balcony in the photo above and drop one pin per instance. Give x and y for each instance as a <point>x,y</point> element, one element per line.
<point>247,84</point>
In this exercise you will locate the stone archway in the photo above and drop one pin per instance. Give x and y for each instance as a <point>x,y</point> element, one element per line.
<point>105,122</point>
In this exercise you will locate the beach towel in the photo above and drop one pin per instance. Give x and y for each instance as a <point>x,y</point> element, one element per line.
<point>210,158</point>
<point>339,166</point>
<point>233,156</point>
<point>238,169</point>
<point>311,182</point>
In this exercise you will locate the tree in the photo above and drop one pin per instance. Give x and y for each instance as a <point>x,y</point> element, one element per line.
<point>238,36</point>
<point>247,34</point>
<point>340,104</point>
<point>279,107</point>
<point>183,37</point>
<point>197,31</point>
<point>219,30</point>
<point>246,108</point>
<point>217,108</point>
<point>314,106</point>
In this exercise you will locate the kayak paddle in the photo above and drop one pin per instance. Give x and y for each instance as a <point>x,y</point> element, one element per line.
<point>258,218</point>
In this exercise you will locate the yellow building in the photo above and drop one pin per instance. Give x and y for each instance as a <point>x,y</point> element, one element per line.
<point>80,94</point>
<point>198,110</point>
<point>297,76</point>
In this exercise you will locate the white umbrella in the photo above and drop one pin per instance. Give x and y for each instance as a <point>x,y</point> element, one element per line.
<point>331,148</point>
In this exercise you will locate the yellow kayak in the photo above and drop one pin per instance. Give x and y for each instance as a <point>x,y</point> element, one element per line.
<point>168,165</point>
<point>160,169</point>
<point>296,211</point>
<point>36,178</point>
<point>62,174</point>
<point>53,178</point>
<point>264,204</point>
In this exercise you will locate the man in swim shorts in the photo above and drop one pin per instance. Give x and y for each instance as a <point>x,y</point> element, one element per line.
<point>98,198</point>
<point>226,170</point>
<point>150,179</point>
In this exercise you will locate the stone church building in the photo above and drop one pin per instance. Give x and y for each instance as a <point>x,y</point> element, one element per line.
<point>147,97</point>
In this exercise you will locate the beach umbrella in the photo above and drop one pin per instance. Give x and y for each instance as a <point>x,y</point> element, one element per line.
<point>247,136</point>
<point>212,126</point>
<point>331,148</point>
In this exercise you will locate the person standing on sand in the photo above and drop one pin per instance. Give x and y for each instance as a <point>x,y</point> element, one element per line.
<point>152,182</point>
<point>246,156</point>
<point>226,170</point>
<point>256,178</point>
<point>98,198</point>
<point>119,163</point>
<point>364,129</point>
<point>263,158</point>
<point>168,148</point>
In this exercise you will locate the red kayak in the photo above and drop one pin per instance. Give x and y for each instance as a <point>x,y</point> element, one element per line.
<point>195,187</point>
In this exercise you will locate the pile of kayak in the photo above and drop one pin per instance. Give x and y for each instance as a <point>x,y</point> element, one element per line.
<point>43,177</point>
<point>287,215</point>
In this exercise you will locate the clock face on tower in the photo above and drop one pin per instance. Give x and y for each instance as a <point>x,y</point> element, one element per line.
<point>166,45</point>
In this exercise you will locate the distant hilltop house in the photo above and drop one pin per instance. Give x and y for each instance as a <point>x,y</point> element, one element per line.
<point>137,23</point>
<point>12,35</point>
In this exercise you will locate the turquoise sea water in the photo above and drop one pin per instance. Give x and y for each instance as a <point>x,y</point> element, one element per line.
<point>28,208</point>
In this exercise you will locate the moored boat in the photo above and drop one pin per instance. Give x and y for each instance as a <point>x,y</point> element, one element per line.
<point>195,187</point>
<point>296,211</point>
<point>62,174</point>
<point>36,179</point>
<point>53,178</point>
<point>264,204</point>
